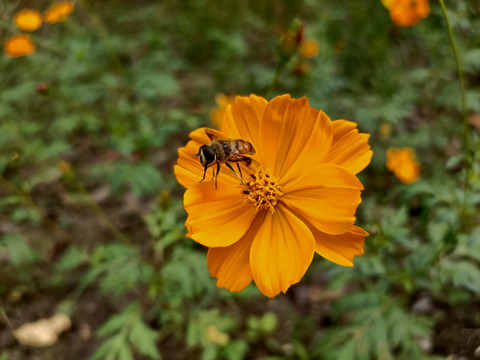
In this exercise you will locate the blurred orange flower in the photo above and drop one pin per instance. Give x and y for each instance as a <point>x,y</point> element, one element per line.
<point>291,40</point>
<point>18,45</point>
<point>402,162</point>
<point>407,12</point>
<point>28,20</point>
<point>216,114</point>
<point>302,68</point>
<point>309,48</point>
<point>300,197</point>
<point>59,11</point>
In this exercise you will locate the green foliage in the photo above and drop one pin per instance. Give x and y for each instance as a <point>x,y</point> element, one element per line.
<point>90,208</point>
<point>127,331</point>
<point>15,247</point>
<point>143,178</point>
<point>373,330</point>
<point>116,268</point>
<point>209,329</point>
<point>111,263</point>
<point>261,327</point>
<point>185,276</point>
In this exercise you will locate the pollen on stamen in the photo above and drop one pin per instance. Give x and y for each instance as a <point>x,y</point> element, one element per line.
<point>263,191</point>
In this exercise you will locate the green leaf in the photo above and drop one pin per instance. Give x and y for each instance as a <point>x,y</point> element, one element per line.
<point>301,353</point>
<point>461,273</point>
<point>235,350</point>
<point>154,84</point>
<point>471,60</point>
<point>126,331</point>
<point>145,179</point>
<point>17,249</point>
<point>72,258</point>
<point>373,331</point>
<point>118,268</point>
<point>104,349</point>
<point>268,322</point>
<point>144,338</point>
<point>118,321</point>
<point>210,353</point>
<point>469,246</point>
<point>124,352</point>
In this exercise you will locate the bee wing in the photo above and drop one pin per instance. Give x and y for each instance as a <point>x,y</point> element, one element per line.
<point>214,134</point>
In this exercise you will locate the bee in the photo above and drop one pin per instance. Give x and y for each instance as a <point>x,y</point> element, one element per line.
<point>221,150</point>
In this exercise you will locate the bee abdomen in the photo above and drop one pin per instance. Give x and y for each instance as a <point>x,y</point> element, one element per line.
<point>245,147</point>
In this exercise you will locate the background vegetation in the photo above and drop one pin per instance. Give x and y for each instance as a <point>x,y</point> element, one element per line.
<point>91,216</point>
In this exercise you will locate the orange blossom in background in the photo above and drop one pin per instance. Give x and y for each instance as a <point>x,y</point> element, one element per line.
<point>407,12</point>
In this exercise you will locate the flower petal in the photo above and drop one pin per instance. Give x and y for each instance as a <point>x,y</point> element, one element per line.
<point>349,149</point>
<point>327,196</point>
<point>281,252</point>
<point>290,132</point>
<point>231,264</point>
<point>340,249</point>
<point>242,119</point>
<point>217,217</point>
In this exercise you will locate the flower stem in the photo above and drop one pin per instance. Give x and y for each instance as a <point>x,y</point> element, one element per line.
<point>5,317</point>
<point>98,210</point>
<point>276,76</point>
<point>466,137</point>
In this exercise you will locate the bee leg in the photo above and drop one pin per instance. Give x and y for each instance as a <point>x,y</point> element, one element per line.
<point>204,172</point>
<point>240,170</point>
<point>216,177</point>
<point>231,168</point>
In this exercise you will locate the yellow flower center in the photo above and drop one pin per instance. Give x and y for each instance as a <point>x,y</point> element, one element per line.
<point>262,191</point>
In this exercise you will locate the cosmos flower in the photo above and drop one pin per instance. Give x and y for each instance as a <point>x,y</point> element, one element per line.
<point>300,194</point>
<point>58,11</point>
<point>302,68</point>
<point>216,115</point>
<point>18,45</point>
<point>291,40</point>
<point>28,20</point>
<point>309,48</point>
<point>407,12</point>
<point>403,164</point>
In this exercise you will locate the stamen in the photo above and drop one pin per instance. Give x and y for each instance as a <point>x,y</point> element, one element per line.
<point>263,191</point>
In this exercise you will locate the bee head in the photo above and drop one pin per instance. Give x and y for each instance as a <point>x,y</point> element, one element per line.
<point>206,155</point>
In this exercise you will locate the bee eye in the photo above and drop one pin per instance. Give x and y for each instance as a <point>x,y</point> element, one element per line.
<point>206,155</point>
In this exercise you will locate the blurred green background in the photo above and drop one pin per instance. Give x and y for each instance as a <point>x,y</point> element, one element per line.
<point>91,216</point>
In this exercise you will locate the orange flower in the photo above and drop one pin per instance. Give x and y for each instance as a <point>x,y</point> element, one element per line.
<point>302,68</point>
<point>28,20</point>
<point>216,115</point>
<point>291,40</point>
<point>59,11</point>
<point>18,45</point>
<point>309,48</point>
<point>403,164</point>
<point>407,12</point>
<point>300,197</point>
